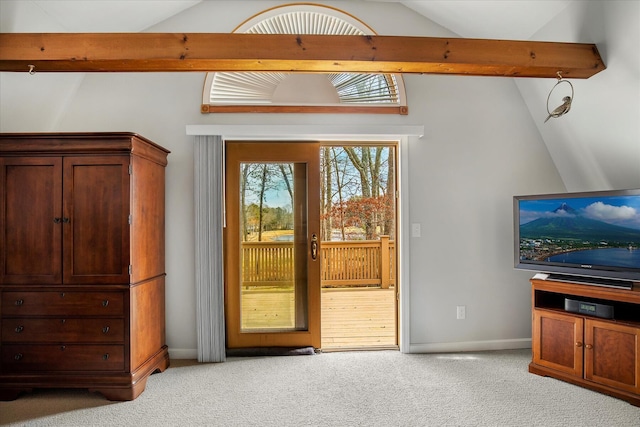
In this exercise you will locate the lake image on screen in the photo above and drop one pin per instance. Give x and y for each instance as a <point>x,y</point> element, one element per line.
<point>587,230</point>
<point>614,257</point>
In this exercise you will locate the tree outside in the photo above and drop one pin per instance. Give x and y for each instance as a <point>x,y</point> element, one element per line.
<point>357,195</point>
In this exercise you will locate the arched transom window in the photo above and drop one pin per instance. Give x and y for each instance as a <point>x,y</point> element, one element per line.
<point>304,92</point>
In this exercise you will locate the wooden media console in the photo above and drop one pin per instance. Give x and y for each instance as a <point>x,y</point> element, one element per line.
<point>601,354</point>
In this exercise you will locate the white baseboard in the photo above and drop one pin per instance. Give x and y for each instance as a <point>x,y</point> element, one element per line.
<point>183,353</point>
<point>447,347</point>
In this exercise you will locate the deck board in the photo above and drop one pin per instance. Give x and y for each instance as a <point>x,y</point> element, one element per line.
<point>361,317</point>
<point>350,318</point>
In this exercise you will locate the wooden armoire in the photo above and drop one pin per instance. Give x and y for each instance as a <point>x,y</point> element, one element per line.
<point>82,262</point>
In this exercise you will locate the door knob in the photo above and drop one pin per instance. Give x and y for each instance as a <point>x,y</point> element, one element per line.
<point>314,247</point>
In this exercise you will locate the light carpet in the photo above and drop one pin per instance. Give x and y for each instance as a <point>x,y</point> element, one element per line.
<point>376,388</point>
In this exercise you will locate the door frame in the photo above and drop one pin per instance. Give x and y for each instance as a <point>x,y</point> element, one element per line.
<point>404,134</point>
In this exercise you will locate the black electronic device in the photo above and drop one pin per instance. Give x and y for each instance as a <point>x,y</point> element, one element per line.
<point>590,308</point>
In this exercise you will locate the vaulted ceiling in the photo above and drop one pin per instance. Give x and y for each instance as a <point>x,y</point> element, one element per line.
<point>498,19</point>
<point>508,20</point>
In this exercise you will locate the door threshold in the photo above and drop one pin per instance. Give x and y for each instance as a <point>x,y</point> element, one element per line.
<point>369,348</point>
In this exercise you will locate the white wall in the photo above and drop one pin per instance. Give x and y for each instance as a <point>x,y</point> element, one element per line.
<point>481,147</point>
<point>597,145</point>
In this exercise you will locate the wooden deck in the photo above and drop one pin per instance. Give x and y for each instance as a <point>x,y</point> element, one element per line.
<point>358,318</point>
<point>352,318</point>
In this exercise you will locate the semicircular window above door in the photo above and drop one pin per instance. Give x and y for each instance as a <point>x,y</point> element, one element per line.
<point>226,92</point>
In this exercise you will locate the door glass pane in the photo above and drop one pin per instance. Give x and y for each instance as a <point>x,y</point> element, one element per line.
<point>273,247</point>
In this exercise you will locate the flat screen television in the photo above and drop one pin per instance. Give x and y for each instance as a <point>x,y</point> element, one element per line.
<point>589,237</point>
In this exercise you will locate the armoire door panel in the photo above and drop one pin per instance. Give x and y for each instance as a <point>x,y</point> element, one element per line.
<point>96,219</point>
<point>31,220</point>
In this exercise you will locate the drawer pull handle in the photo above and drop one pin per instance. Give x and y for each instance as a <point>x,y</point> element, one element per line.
<point>61,294</point>
<point>63,347</point>
<point>18,356</point>
<point>105,303</point>
<point>19,302</point>
<point>105,330</point>
<point>19,329</point>
<point>105,356</point>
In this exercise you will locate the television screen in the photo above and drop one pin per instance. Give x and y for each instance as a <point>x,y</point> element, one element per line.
<point>589,235</point>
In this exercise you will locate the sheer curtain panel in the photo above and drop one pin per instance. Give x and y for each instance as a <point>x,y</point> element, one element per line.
<point>209,218</point>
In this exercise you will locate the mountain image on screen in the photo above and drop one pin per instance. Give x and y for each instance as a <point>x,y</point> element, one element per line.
<point>569,225</point>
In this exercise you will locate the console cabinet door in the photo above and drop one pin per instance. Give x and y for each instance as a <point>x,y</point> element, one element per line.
<point>612,355</point>
<point>96,215</point>
<point>30,220</point>
<point>558,341</point>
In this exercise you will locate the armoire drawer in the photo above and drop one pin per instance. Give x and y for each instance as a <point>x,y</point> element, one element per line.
<point>62,303</point>
<point>61,357</point>
<point>40,330</point>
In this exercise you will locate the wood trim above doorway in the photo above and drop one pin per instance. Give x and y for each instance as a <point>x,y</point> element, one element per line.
<point>316,109</point>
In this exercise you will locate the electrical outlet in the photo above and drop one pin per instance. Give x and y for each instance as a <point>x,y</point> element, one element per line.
<point>461,312</point>
<point>415,230</point>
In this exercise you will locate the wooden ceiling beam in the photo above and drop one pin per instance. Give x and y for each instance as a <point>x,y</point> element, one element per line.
<point>183,52</point>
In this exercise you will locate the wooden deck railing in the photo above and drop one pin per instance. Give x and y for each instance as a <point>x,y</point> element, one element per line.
<point>344,264</point>
<point>267,263</point>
